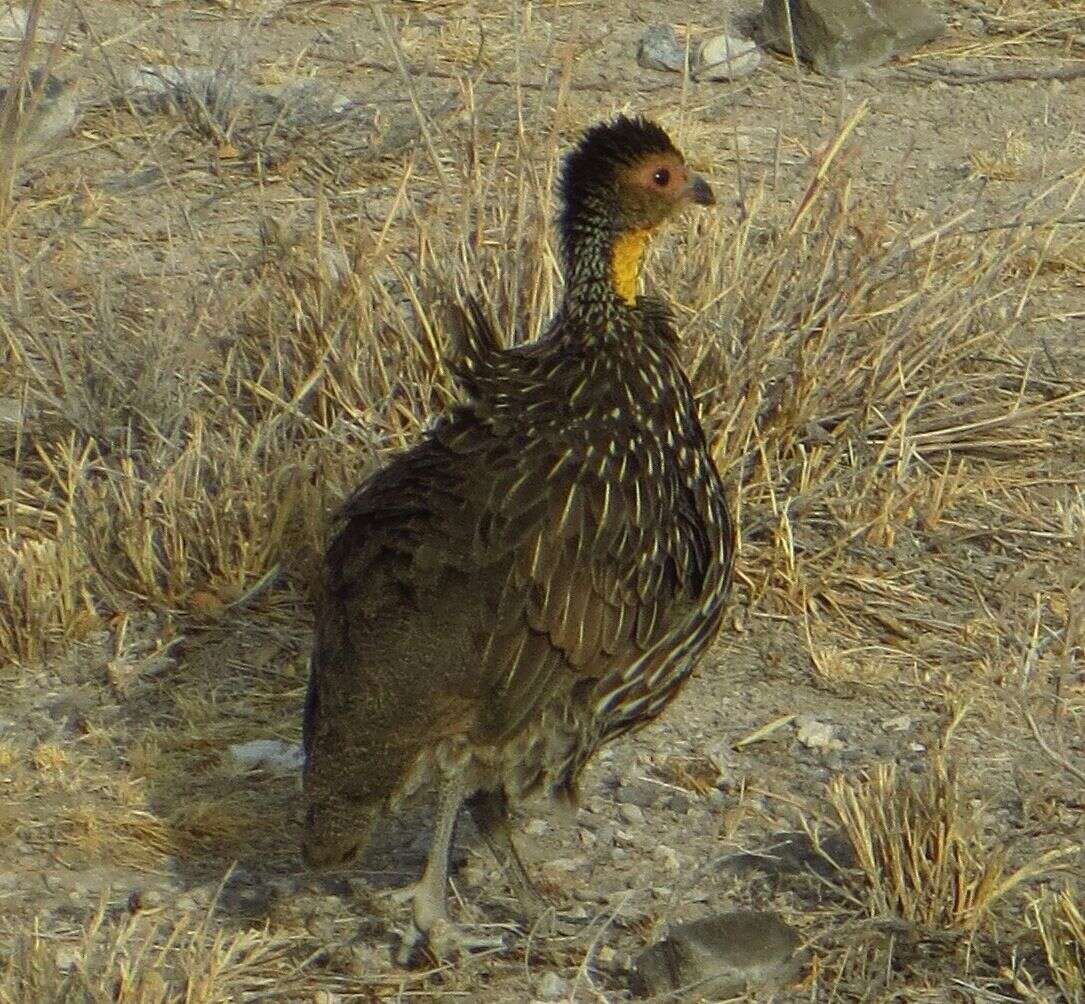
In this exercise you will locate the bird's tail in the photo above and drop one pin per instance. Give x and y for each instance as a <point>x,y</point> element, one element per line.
<point>475,343</point>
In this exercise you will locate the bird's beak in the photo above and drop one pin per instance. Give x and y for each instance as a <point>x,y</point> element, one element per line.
<point>700,191</point>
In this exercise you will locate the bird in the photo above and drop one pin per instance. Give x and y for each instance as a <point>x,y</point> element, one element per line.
<point>541,572</point>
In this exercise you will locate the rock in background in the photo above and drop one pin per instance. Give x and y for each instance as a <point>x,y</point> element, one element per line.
<point>843,37</point>
<point>726,57</point>
<point>720,57</point>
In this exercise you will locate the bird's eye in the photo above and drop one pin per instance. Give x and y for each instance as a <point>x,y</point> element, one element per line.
<point>661,177</point>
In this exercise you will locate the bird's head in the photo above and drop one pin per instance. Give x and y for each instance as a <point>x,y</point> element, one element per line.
<point>622,180</point>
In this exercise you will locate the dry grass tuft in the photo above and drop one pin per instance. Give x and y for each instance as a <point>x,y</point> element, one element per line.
<point>128,836</point>
<point>130,960</point>
<point>920,846</point>
<point>1058,919</point>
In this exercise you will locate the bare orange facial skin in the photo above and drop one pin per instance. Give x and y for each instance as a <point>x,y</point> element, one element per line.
<point>664,176</point>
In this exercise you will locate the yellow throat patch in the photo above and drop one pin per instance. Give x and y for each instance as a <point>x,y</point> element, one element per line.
<point>625,261</point>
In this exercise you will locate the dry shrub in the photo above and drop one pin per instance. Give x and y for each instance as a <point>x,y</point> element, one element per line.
<point>129,960</point>
<point>194,531</point>
<point>1057,918</point>
<point>920,847</point>
<point>43,595</point>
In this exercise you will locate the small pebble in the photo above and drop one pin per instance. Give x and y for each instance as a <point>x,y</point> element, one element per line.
<point>639,793</point>
<point>67,957</point>
<point>552,987</point>
<point>902,723</point>
<point>666,856</point>
<point>813,734</point>
<point>268,754</point>
<point>680,803</point>
<point>597,805</point>
<point>632,814</point>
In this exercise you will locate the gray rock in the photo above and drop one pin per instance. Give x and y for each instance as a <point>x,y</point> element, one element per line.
<point>660,49</point>
<point>48,108</point>
<point>666,857</point>
<point>724,57</point>
<point>15,20</point>
<point>680,802</point>
<point>843,37</point>
<point>719,956</point>
<point>812,733</point>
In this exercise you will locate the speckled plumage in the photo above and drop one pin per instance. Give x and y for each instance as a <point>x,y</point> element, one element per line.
<point>539,574</point>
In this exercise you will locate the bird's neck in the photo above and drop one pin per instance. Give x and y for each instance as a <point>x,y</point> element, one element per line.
<point>602,264</point>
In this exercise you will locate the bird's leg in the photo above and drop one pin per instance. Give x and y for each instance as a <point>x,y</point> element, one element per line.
<point>430,924</point>
<point>490,811</point>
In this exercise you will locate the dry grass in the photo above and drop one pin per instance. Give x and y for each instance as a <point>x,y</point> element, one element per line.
<point>1017,30</point>
<point>920,846</point>
<point>124,959</point>
<point>1058,919</point>
<point>844,369</point>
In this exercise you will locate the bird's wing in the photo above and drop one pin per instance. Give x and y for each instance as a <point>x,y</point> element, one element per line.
<point>596,559</point>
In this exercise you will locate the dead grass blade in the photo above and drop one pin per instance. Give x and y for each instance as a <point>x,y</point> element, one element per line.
<point>919,846</point>
<point>1058,918</point>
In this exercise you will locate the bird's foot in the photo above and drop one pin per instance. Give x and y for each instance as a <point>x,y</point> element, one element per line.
<point>431,934</point>
<point>445,941</point>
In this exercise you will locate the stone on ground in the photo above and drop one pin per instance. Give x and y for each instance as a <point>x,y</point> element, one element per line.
<point>660,49</point>
<point>47,110</point>
<point>730,953</point>
<point>725,57</point>
<point>843,37</point>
